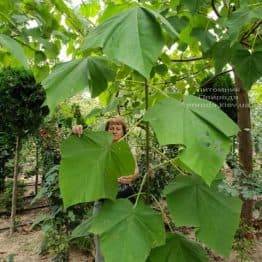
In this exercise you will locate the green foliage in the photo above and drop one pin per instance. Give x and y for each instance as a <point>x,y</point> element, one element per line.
<point>216,216</point>
<point>178,248</point>
<point>221,91</point>
<point>127,230</point>
<point>248,66</point>
<point>6,195</point>
<point>135,37</point>
<point>6,153</point>
<point>71,77</point>
<point>244,242</point>
<point>200,126</point>
<point>96,162</point>
<point>14,48</point>
<point>134,29</point>
<point>21,104</point>
<point>58,224</point>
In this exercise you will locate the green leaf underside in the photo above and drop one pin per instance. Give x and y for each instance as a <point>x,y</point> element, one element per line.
<point>199,125</point>
<point>178,249</point>
<point>15,49</point>
<point>126,233</point>
<point>248,66</point>
<point>69,78</point>
<point>192,203</point>
<point>91,165</point>
<point>132,37</point>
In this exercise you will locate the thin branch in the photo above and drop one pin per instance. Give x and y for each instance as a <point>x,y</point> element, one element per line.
<point>191,59</point>
<point>252,30</point>
<point>214,8</point>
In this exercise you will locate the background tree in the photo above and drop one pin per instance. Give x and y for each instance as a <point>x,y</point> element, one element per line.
<point>22,111</point>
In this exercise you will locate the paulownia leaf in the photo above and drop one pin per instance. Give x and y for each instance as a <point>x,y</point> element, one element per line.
<point>132,37</point>
<point>199,125</point>
<point>248,66</point>
<point>72,77</point>
<point>192,203</point>
<point>126,233</point>
<point>91,165</point>
<point>15,49</point>
<point>178,249</point>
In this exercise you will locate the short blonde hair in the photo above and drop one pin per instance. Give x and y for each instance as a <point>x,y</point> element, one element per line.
<point>118,120</point>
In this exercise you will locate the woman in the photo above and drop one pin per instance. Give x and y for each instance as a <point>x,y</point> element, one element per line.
<point>117,127</point>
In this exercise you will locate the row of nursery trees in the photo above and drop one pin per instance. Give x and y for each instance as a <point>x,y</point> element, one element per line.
<point>158,50</point>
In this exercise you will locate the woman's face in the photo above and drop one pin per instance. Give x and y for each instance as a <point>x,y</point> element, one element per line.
<point>116,130</point>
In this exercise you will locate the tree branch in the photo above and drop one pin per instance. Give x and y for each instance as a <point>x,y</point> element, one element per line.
<point>187,59</point>
<point>214,8</point>
<point>253,29</point>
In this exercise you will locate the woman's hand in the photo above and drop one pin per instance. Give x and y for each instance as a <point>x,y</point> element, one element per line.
<point>126,179</point>
<point>77,130</point>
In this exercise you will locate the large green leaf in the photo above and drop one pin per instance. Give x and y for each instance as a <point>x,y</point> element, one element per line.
<point>15,49</point>
<point>192,203</point>
<point>126,233</point>
<point>69,78</point>
<point>178,249</point>
<point>248,65</point>
<point>199,125</point>
<point>90,166</point>
<point>132,37</point>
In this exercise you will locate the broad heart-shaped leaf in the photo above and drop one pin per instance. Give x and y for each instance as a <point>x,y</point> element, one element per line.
<point>15,48</point>
<point>126,233</point>
<point>178,249</point>
<point>192,203</point>
<point>69,78</point>
<point>133,37</point>
<point>91,165</point>
<point>199,125</point>
<point>248,66</point>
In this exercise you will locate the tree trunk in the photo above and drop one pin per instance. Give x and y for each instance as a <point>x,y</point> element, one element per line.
<point>2,175</point>
<point>244,143</point>
<point>36,166</point>
<point>14,193</point>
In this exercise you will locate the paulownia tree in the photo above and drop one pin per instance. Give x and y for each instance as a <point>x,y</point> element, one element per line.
<point>135,37</point>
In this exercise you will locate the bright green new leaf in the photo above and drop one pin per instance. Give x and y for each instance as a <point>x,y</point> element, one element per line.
<point>192,203</point>
<point>90,9</point>
<point>178,249</point>
<point>69,78</point>
<point>248,66</point>
<point>199,125</point>
<point>133,37</point>
<point>91,165</point>
<point>126,233</point>
<point>15,49</point>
